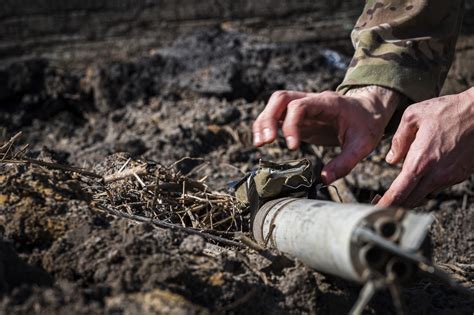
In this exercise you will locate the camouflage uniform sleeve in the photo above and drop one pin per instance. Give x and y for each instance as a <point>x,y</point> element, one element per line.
<point>405,45</point>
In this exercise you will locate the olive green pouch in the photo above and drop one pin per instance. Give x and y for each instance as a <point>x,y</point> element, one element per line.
<point>273,180</point>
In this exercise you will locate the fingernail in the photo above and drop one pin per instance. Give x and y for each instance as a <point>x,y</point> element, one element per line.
<point>389,157</point>
<point>291,142</point>
<point>327,177</point>
<point>267,134</point>
<point>257,139</point>
<point>376,199</point>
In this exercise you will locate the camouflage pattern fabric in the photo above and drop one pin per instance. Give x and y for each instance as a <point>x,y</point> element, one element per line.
<point>405,45</point>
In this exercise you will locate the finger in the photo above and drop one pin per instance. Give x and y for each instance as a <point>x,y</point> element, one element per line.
<point>295,114</point>
<point>403,138</point>
<point>352,153</point>
<point>418,163</point>
<point>434,194</point>
<point>299,113</point>
<point>413,170</point>
<point>444,178</point>
<point>265,128</point>
<point>400,189</point>
<point>420,193</point>
<point>316,111</point>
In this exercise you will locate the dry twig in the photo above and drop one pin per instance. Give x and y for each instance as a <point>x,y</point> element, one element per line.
<point>148,191</point>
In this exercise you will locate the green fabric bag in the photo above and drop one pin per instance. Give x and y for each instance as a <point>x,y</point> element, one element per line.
<point>273,180</point>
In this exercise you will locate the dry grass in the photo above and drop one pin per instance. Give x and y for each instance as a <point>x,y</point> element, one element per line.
<point>149,192</point>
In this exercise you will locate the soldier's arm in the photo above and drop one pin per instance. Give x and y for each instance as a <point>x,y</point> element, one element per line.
<point>406,46</point>
<point>402,53</point>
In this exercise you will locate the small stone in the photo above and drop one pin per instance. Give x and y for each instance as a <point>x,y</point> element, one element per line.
<point>193,244</point>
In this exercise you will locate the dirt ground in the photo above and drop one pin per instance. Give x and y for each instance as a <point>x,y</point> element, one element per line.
<point>195,95</point>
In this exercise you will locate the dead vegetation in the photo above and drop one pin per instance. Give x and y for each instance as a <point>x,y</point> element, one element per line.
<point>146,191</point>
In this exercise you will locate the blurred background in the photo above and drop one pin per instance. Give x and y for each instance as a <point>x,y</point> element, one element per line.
<point>76,33</point>
<point>85,30</point>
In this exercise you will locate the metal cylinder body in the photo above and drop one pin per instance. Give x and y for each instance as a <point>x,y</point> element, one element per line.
<point>318,233</point>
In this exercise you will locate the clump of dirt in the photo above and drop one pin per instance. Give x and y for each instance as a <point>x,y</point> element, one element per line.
<point>15,272</point>
<point>41,203</point>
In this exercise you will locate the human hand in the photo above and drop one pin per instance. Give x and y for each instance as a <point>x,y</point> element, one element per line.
<point>355,121</point>
<point>436,139</point>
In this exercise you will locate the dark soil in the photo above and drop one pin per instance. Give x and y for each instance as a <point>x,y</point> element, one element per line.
<point>196,97</point>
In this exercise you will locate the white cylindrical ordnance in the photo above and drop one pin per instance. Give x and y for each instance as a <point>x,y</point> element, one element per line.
<point>318,233</point>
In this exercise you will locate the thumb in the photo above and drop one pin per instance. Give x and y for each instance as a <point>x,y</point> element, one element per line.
<point>401,142</point>
<point>341,165</point>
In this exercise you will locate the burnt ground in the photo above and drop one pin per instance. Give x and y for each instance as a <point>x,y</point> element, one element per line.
<point>193,96</point>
